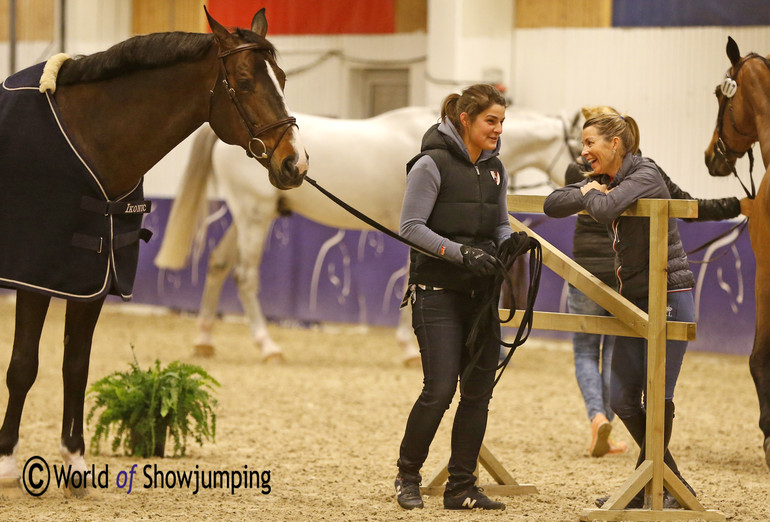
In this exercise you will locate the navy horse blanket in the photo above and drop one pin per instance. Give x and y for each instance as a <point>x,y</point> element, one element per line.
<point>59,232</point>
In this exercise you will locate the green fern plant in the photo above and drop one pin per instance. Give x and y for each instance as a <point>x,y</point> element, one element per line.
<point>144,406</point>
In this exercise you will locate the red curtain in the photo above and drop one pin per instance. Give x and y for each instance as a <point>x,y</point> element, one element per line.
<point>309,16</point>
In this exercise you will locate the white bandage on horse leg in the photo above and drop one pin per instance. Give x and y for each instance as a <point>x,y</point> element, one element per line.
<point>76,460</point>
<point>8,467</point>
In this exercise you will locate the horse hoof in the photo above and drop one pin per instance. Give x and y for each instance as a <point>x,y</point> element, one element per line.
<point>204,350</point>
<point>767,451</point>
<point>274,358</point>
<point>413,362</point>
<point>10,489</point>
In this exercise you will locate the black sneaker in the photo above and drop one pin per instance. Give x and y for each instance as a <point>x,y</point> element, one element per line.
<point>473,498</point>
<point>635,503</point>
<point>670,502</point>
<point>408,493</point>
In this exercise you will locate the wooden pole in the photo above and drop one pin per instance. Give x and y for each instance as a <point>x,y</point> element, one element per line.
<point>652,475</point>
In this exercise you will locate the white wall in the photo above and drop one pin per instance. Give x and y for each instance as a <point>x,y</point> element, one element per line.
<point>468,42</point>
<point>91,26</point>
<point>94,25</point>
<point>325,89</point>
<point>663,77</point>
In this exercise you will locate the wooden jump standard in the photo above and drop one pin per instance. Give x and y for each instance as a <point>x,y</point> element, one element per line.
<point>628,320</point>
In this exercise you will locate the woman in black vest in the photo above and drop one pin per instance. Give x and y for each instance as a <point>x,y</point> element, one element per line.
<point>455,209</point>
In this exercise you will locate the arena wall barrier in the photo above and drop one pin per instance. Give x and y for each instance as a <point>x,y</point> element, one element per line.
<point>311,273</point>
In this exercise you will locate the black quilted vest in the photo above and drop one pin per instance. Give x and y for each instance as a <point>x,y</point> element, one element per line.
<point>466,211</point>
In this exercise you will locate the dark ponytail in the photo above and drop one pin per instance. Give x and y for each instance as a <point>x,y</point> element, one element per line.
<point>473,101</point>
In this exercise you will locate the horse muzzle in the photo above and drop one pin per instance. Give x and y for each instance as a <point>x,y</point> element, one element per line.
<point>717,162</point>
<point>289,174</point>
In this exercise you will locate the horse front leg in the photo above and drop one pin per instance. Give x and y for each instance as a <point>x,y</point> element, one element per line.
<point>759,364</point>
<point>221,263</point>
<point>31,309</point>
<point>79,324</point>
<point>250,248</point>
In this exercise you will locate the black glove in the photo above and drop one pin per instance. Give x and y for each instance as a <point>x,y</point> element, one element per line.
<point>477,261</point>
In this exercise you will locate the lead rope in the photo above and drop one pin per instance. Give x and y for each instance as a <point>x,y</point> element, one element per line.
<point>753,193</point>
<point>513,247</point>
<point>366,219</point>
<point>487,322</point>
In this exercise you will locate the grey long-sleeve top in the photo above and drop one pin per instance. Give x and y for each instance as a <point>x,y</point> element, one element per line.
<point>422,188</point>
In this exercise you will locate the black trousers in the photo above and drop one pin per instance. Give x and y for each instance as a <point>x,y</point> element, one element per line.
<point>442,320</point>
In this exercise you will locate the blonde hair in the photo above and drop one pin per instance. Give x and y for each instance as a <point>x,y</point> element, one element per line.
<point>592,111</point>
<point>473,101</point>
<point>609,125</point>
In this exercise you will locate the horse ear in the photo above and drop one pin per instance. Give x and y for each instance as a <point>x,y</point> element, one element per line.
<point>221,34</point>
<point>732,51</point>
<point>259,23</point>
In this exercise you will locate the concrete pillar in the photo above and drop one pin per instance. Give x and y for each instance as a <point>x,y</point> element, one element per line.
<point>469,41</point>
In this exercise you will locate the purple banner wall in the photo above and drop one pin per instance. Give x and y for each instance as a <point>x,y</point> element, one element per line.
<point>312,273</point>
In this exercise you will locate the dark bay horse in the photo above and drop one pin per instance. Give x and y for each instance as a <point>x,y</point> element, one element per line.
<point>123,110</point>
<point>743,119</point>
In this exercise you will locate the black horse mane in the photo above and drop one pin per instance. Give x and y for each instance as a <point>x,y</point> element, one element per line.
<point>150,51</point>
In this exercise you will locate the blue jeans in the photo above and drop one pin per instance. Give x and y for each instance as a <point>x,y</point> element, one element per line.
<point>442,320</point>
<point>629,364</point>
<point>593,358</point>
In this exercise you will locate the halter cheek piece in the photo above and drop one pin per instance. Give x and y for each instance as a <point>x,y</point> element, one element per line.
<point>728,88</point>
<point>252,128</point>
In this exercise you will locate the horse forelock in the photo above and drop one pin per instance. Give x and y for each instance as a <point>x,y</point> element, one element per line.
<point>137,53</point>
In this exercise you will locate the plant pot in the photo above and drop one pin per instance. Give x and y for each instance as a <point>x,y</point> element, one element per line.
<point>139,439</point>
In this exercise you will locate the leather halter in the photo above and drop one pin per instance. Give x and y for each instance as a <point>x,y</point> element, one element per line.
<point>252,128</point>
<point>721,150</point>
<point>728,88</point>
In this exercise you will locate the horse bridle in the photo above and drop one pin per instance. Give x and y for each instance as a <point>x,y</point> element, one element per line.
<point>252,128</point>
<point>729,87</point>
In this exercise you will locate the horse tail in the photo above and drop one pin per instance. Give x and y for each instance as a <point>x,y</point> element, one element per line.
<point>190,205</point>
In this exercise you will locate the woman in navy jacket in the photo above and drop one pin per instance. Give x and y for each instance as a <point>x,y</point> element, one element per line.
<point>619,179</point>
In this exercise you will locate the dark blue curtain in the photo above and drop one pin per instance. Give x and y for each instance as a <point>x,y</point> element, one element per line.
<point>662,13</point>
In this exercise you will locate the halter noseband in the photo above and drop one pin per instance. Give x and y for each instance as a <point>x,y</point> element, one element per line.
<point>252,128</point>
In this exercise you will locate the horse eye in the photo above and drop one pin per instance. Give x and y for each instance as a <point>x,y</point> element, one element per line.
<point>245,84</point>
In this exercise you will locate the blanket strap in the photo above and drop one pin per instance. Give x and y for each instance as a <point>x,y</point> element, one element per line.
<point>88,242</point>
<point>115,207</point>
<point>129,238</point>
<point>96,243</point>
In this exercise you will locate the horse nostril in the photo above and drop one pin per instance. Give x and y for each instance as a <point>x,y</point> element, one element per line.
<point>289,165</point>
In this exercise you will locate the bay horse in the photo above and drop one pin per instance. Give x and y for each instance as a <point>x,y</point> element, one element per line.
<point>743,119</point>
<point>370,176</point>
<point>123,109</point>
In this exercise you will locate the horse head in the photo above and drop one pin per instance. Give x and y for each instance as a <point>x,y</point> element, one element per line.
<point>736,129</point>
<point>248,107</point>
